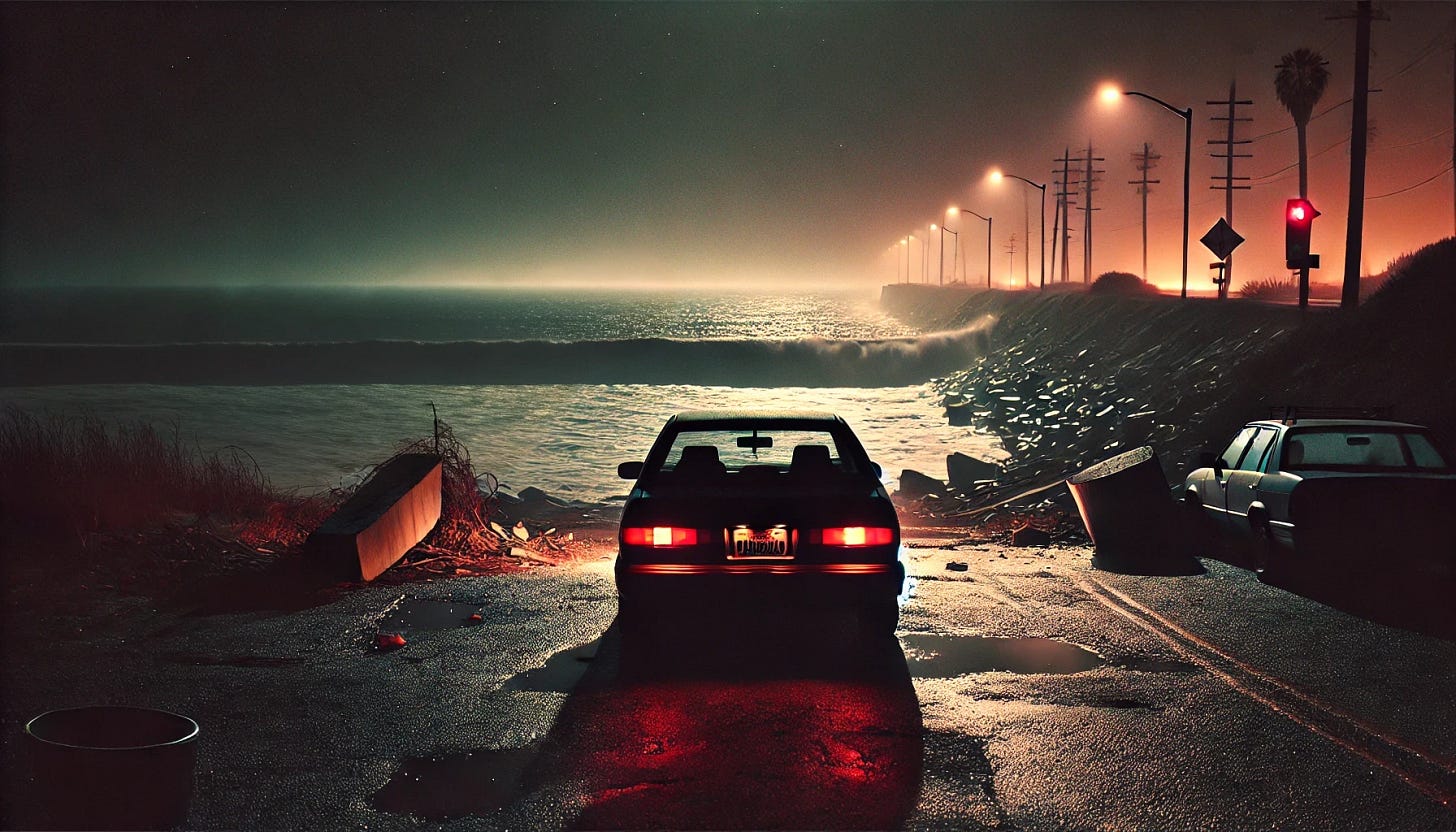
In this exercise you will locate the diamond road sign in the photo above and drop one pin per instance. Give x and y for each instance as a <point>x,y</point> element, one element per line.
<point>1221,239</point>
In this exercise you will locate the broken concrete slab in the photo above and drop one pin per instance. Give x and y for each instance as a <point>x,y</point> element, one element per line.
<point>965,471</point>
<point>1028,535</point>
<point>915,484</point>
<point>373,529</point>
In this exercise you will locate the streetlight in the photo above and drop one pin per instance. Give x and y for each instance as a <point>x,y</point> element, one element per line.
<point>940,264</point>
<point>988,244</point>
<point>925,254</point>
<point>996,176</point>
<point>1111,94</point>
<point>906,242</point>
<point>944,231</point>
<point>950,214</point>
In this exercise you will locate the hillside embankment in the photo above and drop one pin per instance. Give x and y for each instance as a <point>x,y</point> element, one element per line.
<point>1069,378</point>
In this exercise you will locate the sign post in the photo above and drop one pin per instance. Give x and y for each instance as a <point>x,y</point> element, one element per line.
<point>1221,239</point>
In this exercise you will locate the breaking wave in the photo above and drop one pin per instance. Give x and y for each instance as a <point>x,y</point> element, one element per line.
<point>805,362</point>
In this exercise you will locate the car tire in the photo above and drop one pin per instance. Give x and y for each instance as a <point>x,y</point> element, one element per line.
<point>1199,534</point>
<point>879,618</point>
<point>1264,556</point>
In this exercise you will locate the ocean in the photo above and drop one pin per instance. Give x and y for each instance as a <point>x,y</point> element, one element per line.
<point>546,388</point>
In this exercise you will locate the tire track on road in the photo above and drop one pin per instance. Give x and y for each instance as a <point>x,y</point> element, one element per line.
<point>1430,773</point>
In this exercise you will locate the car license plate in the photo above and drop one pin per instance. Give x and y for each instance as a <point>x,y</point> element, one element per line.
<point>760,543</point>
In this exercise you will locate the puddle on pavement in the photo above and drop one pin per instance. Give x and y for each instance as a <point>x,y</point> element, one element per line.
<point>559,674</point>
<point>933,656</point>
<point>1121,703</point>
<point>1151,665</point>
<point>201,660</point>
<point>475,783</point>
<point>413,615</point>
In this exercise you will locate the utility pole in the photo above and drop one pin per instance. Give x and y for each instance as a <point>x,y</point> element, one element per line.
<point>1065,195</point>
<point>1026,250</point>
<point>1087,190</point>
<point>1228,186</point>
<point>1144,163</point>
<point>1056,224</point>
<point>1359,139</point>
<point>1011,263</point>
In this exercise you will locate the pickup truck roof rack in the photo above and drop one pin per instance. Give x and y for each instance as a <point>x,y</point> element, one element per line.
<point>1289,414</point>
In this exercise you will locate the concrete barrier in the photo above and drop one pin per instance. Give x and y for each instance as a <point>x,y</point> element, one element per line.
<point>373,529</point>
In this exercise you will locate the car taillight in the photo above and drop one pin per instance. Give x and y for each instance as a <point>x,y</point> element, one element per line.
<point>853,536</point>
<point>659,536</point>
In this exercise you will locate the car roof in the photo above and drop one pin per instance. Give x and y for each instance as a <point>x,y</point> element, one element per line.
<point>1337,423</point>
<point>715,419</point>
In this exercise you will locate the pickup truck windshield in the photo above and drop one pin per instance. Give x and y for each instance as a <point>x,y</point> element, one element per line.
<point>1354,449</point>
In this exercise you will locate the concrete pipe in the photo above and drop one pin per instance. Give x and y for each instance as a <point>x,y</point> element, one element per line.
<point>1129,514</point>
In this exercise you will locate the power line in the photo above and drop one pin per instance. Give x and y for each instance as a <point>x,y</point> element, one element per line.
<point>1424,53</point>
<point>1323,112</point>
<point>1437,175</point>
<point>1272,174</point>
<point>1414,143</point>
<point>1427,51</point>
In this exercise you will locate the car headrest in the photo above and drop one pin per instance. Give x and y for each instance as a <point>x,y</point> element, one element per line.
<point>810,458</point>
<point>1295,454</point>
<point>699,459</point>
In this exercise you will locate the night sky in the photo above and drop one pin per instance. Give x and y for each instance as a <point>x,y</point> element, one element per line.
<point>304,143</point>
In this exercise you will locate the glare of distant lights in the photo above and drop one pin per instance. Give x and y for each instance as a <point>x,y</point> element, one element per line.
<point>1109,93</point>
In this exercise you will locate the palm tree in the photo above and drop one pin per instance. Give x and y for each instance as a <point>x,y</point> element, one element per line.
<point>1299,85</point>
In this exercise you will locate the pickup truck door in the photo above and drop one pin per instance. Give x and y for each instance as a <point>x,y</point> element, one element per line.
<point>1241,483</point>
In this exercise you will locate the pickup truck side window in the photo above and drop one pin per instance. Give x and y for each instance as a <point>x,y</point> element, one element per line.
<point>1235,451</point>
<point>1254,456</point>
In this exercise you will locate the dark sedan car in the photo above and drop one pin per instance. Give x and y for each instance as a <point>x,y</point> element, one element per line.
<point>784,508</point>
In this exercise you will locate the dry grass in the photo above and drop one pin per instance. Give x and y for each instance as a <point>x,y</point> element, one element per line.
<point>72,473</point>
<point>1270,288</point>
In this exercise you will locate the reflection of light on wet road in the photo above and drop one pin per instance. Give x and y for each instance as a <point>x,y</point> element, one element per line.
<point>747,720</point>
<point>768,754</point>
<point>943,657</point>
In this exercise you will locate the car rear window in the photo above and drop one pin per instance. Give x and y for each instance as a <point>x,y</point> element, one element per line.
<point>784,451</point>
<point>1361,449</point>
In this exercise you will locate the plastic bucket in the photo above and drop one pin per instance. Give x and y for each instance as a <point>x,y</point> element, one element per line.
<point>111,767</point>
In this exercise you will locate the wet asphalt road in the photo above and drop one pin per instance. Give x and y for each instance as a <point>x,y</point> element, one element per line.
<point>1027,692</point>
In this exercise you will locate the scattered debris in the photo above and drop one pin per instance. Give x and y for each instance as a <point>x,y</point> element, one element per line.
<point>915,484</point>
<point>957,566</point>
<point>1029,535</point>
<point>385,642</point>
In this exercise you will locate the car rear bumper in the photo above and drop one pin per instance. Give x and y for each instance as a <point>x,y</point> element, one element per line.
<point>806,584</point>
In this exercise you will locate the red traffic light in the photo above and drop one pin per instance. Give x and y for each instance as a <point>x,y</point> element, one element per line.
<point>1300,211</point>
<point>1299,217</point>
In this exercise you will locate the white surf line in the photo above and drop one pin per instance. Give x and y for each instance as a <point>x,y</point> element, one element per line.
<point>1438,782</point>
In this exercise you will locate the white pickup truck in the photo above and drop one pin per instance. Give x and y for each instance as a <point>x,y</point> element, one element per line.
<point>1344,493</point>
